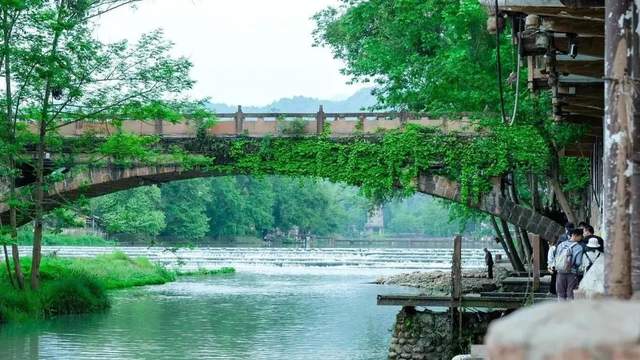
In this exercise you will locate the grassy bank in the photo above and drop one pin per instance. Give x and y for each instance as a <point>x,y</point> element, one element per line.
<point>52,239</point>
<point>74,286</point>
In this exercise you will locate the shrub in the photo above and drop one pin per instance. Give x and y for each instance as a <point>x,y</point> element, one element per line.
<point>75,286</point>
<point>79,294</point>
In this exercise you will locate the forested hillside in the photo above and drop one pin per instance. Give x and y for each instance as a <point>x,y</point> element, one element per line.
<point>227,207</point>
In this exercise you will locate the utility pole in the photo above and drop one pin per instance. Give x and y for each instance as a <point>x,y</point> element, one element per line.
<point>621,150</point>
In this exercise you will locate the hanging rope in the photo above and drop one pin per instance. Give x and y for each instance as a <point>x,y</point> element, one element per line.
<point>515,105</point>
<point>499,65</point>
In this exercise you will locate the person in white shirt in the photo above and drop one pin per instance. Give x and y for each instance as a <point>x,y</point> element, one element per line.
<point>591,254</point>
<point>551,260</point>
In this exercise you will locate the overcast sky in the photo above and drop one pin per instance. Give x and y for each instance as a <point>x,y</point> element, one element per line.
<point>245,52</point>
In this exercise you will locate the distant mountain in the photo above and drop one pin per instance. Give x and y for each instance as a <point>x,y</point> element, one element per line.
<point>362,99</point>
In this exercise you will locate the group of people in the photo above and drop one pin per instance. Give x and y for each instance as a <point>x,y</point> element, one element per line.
<point>571,257</point>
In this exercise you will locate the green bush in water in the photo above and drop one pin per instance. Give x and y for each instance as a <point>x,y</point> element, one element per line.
<point>74,286</point>
<point>80,294</point>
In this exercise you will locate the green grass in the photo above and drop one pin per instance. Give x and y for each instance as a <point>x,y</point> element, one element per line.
<point>75,286</point>
<point>205,272</point>
<point>118,271</point>
<point>52,239</point>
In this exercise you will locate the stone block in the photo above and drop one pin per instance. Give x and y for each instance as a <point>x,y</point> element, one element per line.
<point>589,329</point>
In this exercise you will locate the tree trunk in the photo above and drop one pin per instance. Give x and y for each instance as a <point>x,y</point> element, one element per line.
<point>621,149</point>
<point>15,252</point>
<point>36,255</point>
<point>557,188</point>
<point>536,203</point>
<point>512,253</point>
<point>6,261</point>
<point>40,153</point>
<point>522,233</point>
<point>11,127</point>
<point>516,244</point>
<point>505,248</point>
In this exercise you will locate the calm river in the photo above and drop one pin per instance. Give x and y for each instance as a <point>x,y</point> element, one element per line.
<point>261,312</point>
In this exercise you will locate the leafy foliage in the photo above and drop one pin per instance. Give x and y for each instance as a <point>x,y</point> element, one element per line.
<point>430,55</point>
<point>135,212</point>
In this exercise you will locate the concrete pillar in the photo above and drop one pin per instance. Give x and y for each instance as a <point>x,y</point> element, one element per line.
<point>621,149</point>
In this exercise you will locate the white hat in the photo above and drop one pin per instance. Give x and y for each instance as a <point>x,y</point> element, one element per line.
<point>593,243</point>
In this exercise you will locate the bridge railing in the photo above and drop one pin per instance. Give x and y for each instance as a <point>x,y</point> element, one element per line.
<point>277,124</point>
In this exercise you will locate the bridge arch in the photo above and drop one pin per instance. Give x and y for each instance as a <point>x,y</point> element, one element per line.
<point>95,182</point>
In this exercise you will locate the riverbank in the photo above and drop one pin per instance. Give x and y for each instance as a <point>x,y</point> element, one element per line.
<point>439,282</point>
<point>75,286</point>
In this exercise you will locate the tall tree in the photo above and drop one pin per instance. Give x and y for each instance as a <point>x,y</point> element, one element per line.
<point>436,56</point>
<point>64,75</point>
<point>137,211</point>
<point>185,206</point>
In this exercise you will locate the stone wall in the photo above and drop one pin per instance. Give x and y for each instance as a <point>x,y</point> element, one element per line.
<point>576,330</point>
<point>429,335</point>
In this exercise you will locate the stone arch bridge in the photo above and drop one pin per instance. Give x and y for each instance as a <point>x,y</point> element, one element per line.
<point>95,180</point>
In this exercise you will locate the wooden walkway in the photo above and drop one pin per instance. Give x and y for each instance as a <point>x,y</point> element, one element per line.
<point>511,301</point>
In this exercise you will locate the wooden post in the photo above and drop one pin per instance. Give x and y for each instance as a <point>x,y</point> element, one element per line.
<point>456,288</point>
<point>239,121</point>
<point>456,269</point>
<point>320,118</point>
<point>535,243</point>
<point>620,141</point>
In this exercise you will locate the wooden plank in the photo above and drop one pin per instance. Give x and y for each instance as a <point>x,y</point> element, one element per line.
<point>596,113</point>
<point>571,26</point>
<point>511,294</point>
<point>445,301</point>
<point>586,120</point>
<point>592,46</point>
<point>591,68</point>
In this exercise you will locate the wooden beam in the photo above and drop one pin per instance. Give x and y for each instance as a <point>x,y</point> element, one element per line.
<point>582,111</point>
<point>592,14</point>
<point>591,68</point>
<point>571,26</point>
<point>456,269</point>
<point>466,301</point>
<point>583,120</point>
<point>580,102</point>
<point>586,45</point>
<point>535,243</point>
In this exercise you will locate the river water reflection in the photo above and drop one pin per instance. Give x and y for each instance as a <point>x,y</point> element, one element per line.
<point>277,315</point>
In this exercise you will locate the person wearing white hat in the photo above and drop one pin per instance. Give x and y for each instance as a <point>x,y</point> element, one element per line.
<point>591,254</point>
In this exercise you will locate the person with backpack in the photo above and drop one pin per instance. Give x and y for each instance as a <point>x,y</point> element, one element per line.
<point>589,234</point>
<point>590,255</point>
<point>569,227</point>
<point>567,261</point>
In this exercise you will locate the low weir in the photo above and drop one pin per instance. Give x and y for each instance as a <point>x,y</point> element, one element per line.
<point>384,261</point>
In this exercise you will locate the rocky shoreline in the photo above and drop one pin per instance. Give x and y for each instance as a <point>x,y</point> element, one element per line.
<point>439,282</point>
